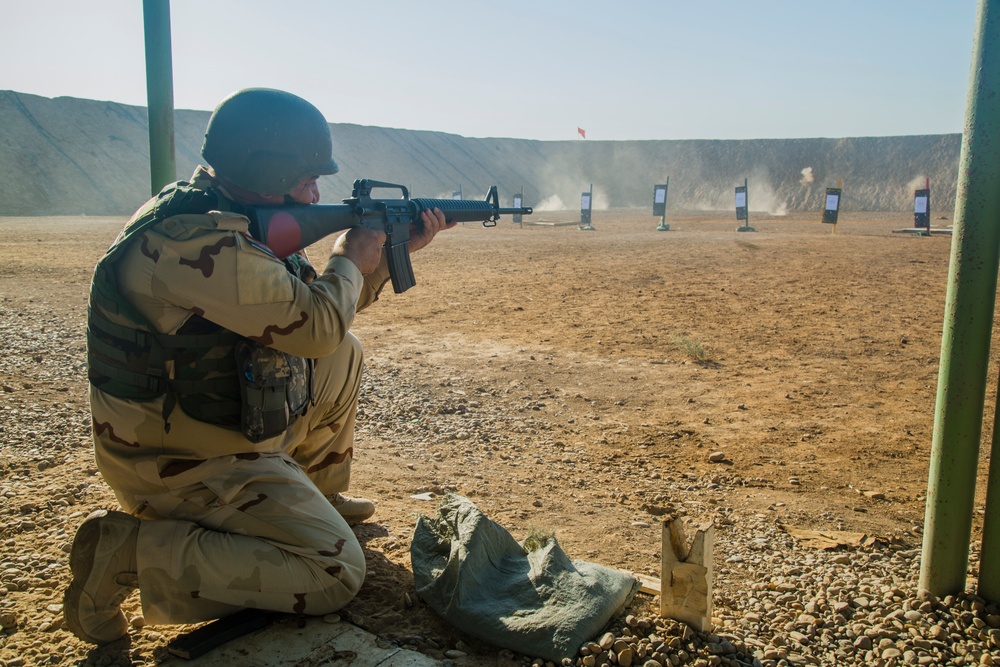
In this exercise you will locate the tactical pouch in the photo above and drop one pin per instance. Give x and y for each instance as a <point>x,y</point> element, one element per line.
<point>275,389</point>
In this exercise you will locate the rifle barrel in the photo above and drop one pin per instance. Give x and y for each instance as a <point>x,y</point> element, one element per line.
<point>468,210</point>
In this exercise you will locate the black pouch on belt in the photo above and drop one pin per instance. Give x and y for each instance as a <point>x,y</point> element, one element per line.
<point>275,388</point>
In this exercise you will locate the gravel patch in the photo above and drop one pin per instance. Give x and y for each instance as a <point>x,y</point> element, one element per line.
<point>776,602</point>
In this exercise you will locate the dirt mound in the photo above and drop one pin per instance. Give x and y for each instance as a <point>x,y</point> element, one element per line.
<point>68,156</point>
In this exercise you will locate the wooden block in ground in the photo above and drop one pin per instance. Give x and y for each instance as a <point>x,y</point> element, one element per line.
<point>686,575</point>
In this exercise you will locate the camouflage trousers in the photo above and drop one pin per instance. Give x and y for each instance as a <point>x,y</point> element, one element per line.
<point>229,524</point>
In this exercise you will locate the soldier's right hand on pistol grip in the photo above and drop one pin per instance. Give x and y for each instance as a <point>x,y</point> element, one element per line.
<point>361,246</point>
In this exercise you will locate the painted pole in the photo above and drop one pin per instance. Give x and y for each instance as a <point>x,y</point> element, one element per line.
<point>159,93</point>
<point>968,319</point>
<point>986,84</point>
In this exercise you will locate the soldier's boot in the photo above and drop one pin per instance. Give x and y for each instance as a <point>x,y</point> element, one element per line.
<point>103,562</point>
<point>354,510</point>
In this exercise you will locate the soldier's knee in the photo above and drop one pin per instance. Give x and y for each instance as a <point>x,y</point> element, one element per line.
<point>348,575</point>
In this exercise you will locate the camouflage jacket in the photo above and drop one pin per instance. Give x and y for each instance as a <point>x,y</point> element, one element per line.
<point>185,281</point>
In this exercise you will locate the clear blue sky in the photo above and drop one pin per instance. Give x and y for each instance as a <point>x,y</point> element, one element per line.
<point>534,69</point>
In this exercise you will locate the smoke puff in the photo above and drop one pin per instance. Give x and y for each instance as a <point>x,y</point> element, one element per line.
<point>553,203</point>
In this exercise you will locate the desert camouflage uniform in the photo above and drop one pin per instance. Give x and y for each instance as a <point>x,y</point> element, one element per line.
<point>232,524</point>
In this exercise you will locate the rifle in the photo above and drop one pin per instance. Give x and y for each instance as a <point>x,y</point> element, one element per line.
<point>288,229</point>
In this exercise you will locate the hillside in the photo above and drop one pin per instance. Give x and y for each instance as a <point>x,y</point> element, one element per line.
<point>68,156</point>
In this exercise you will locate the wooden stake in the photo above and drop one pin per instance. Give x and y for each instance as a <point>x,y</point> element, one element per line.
<point>686,575</point>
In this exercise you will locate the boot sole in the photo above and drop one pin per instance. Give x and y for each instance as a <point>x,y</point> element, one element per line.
<point>81,562</point>
<point>85,541</point>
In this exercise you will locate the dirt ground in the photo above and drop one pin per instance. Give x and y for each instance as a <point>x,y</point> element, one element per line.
<point>588,367</point>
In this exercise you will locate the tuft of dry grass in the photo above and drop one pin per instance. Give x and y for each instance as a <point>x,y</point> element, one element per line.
<point>691,348</point>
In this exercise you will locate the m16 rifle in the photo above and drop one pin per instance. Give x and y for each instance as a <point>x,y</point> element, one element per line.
<point>288,229</point>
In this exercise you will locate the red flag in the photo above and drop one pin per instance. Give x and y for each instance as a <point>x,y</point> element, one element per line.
<point>582,133</point>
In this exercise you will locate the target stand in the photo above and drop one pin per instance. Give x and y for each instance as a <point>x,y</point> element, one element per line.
<point>743,208</point>
<point>922,208</point>
<point>660,205</point>
<point>586,205</point>
<point>831,207</point>
<point>517,217</point>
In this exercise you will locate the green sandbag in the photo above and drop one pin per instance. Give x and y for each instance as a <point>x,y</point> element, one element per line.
<point>530,598</point>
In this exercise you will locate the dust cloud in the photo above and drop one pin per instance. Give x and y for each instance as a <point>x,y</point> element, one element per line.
<point>918,183</point>
<point>551,203</point>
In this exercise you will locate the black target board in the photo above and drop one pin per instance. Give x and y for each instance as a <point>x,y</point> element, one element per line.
<point>660,200</point>
<point>586,204</point>
<point>831,209</point>
<point>741,202</point>
<point>517,204</point>
<point>922,208</point>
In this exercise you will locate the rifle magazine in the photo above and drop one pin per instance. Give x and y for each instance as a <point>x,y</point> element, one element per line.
<point>400,268</point>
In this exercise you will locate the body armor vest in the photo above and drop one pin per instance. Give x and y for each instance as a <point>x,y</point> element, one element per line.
<point>128,358</point>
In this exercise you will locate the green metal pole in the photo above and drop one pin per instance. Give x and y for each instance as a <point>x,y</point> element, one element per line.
<point>968,320</point>
<point>986,88</point>
<point>159,93</point>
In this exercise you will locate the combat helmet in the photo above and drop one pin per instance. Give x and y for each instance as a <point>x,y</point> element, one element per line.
<point>267,140</point>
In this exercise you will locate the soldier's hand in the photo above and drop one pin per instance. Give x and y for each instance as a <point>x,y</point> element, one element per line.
<point>361,246</point>
<point>432,222</point>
